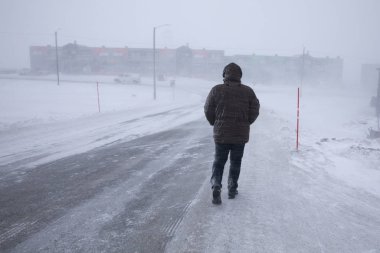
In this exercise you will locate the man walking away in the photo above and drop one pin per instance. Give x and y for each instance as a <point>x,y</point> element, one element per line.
<point>231,108</point>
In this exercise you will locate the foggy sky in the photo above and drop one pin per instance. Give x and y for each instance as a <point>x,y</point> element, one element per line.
<point>346,28</point>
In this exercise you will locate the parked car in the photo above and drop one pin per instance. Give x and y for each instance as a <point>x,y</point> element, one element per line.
<point>161,77</point>
<point>128,79</point>
<point>33,72</point>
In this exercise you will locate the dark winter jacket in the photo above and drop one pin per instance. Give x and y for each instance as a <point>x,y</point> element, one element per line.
<point>231,108</point>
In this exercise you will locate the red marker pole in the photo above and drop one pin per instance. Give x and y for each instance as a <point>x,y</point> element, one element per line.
<point>97,88</point>
<point>298,115</point>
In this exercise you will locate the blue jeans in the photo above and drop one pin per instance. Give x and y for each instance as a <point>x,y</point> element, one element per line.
<point>236,152</point>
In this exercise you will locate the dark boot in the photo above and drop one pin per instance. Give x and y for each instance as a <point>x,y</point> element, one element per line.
<point>232,188</point>
<point>232,193</point>
<point>216,198</point>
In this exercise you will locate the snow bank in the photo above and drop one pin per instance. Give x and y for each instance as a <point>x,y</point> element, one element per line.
<point>334,124</point>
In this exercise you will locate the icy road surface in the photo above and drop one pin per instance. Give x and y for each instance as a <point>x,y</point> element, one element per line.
<point>152,194</point>
<point>125,197</point>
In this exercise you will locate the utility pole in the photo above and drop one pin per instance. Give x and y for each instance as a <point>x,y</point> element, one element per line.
<point>56,56</point>
<point>299,93</point>
<point>154,58</point>
<point>154,63</point>
<point>378,102</point>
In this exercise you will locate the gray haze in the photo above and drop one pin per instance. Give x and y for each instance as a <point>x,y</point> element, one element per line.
<point>346,28</point>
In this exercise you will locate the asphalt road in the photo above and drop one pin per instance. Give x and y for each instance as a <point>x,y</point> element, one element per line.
<point>123,197</point>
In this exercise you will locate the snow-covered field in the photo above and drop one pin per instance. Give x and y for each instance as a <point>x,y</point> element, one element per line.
<point>334,126</point>
<point>40,122</point>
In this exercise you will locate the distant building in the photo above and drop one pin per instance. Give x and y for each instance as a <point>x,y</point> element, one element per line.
<point>184,61</point>
<point>290,69</point>
<point>369,75</point>
<point>42,58</point>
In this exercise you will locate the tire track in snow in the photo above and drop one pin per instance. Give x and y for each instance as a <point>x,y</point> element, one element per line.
<point>128,200</point>
<point>172,226</point>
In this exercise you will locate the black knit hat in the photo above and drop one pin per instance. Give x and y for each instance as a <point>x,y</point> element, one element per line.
<point>232,72</point>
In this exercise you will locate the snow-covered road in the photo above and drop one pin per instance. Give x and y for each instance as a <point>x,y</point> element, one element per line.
<point>110,199</point>
<point>282,207</point>
<point>135,178</point>
<point>114,198</point>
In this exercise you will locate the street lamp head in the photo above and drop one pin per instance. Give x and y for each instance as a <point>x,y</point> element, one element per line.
<point>161,26</point>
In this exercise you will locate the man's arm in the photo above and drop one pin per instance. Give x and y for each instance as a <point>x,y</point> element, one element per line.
<point>254,108</point>
<point>209,108</point>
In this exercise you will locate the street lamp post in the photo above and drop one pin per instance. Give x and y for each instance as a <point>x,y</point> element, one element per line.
<point>56,56</point>
<point>378,102</point>
<point>154,58</point>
